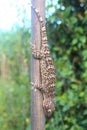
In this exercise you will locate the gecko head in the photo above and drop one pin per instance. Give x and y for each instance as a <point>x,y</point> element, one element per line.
<point>48,106</point>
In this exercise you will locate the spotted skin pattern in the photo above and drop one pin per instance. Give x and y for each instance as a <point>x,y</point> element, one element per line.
<point>47,70</point>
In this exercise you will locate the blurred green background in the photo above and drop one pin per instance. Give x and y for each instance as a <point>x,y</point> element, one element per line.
<point>66,22</point>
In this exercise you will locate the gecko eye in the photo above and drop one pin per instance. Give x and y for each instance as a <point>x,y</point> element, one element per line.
<point>49,110</point>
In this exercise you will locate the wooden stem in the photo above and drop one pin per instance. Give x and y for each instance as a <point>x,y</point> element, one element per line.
<point>37,114</point>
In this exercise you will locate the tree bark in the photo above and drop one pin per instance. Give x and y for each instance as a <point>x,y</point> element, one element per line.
<point>37,114</point>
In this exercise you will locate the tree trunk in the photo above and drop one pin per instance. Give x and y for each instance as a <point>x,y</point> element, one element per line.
<point>37,114</point>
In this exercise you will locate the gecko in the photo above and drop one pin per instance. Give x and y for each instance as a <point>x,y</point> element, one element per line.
<point>47,69</point>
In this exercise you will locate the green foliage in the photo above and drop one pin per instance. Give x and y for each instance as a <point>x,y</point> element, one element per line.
<point>14,87</point>
<point>68,44</point>
<point>14,106</point>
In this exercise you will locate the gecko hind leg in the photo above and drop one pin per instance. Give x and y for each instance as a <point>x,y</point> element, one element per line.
<point>36,52</point>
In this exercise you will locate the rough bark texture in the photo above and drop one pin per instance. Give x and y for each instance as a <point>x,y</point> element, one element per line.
<point>37,114</point>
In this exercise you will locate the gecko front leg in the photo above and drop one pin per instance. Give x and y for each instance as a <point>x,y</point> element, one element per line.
<point>35,86</point>
<point>37,54</point>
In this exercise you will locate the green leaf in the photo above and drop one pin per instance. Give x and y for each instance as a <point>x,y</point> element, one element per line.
<point>79,30</point>
<point>74,41</point>
<point>76,127</point>
<point>67,12</point>
<point>66,108</point>
<point>84,54</point>
<point>82,94</point>
<point>85,112</point>
<point>82,39</point>
<point>73,20</point>
<point>84,122</point>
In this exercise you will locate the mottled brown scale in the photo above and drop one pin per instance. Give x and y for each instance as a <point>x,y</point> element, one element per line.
<point>47,69</point>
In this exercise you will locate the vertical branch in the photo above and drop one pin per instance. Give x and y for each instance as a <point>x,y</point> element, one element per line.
<point>37,114</point>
